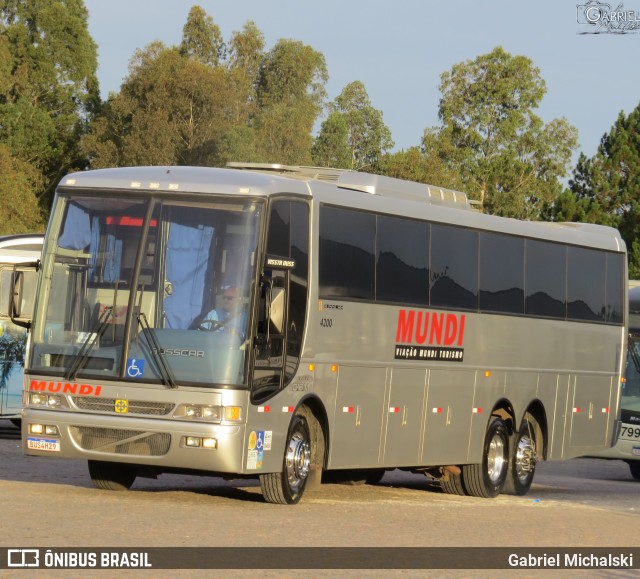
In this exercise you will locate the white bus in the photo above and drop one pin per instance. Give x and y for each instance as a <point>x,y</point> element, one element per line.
<point>627,448</point>
<point>280,322</point>
<point>14,249</point>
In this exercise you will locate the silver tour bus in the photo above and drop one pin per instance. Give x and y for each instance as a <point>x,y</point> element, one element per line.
<point>14,251</point>
<point>288,322</point>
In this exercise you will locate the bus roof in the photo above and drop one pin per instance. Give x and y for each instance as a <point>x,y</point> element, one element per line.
<point>342,187</point>
<point>20,248</point>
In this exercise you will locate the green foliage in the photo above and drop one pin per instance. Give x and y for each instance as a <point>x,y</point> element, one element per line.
<point>331,147</point>
<point>170,110</point>
<point>19,210</point>
<point>48,87</point>
<point>413,165</point>
<point>609,184</point>
<point>189,105</point>
<point>353,135</point>
<point>246,50</point>
<point>506,156</point>
<point>202,39</point>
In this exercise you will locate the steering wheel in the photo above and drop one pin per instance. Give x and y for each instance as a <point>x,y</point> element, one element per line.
<point>211,325</point>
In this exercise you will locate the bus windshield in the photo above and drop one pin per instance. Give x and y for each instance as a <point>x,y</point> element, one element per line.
<point>630,396</point>
<point>147,290</point>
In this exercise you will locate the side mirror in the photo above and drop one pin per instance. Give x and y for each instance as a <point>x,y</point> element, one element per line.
<point>18,288</point>
<point>276,310</point>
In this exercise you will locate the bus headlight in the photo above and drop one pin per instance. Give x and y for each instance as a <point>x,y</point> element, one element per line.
<point>198,442</point>
<point>208,413</point>
<point>45,400</point>
<point>48,429</point>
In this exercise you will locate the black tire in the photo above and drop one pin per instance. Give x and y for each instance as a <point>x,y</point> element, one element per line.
<point>522,460</point>
<point>453,484</point>
<point>111,476</point>
<point>286,487</point>
<point>16,422</point>
<point>634,468</point>
<point>487,478</point>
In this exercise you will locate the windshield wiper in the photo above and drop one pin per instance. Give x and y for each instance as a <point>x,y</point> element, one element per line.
<point>89,343</point>
<point>156,352</point>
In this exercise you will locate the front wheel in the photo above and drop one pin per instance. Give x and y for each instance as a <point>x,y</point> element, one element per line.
<point>487,478</point>
<point>522,461</point>
<point>286,487</point>
<point>111,476</point>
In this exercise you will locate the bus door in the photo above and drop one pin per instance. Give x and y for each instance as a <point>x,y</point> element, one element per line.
<point>283,299</point>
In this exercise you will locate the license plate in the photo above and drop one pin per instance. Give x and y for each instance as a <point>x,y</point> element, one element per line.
<point>628,432</point>
<point>48,444</point>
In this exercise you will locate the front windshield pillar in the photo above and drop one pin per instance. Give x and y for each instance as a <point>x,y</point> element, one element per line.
<point>142,251</point>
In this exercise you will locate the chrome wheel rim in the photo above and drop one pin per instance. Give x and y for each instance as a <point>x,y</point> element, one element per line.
<point>297,461</point>
<point>524,459</point>
<point>496,460</point>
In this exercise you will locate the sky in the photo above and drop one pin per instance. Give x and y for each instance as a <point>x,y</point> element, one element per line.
<point>399,49</point>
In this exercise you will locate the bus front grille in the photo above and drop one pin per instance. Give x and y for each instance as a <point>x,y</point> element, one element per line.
<point>133,406</point>
<point>120,441</point>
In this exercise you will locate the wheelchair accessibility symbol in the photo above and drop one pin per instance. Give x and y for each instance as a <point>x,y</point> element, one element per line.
<point>135,368</point>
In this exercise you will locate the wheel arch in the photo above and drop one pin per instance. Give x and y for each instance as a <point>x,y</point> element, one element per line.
<point>504,409</point>
<point>536,411</point>
<point>315,414</point>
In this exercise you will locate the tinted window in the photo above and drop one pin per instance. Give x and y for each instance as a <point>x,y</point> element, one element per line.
<point>586,284</point>
<point>454,267</point>
<point>278,240</point>
<point>402,272</point>
<point>545,279</point>
<point>501,273</point>
<point>615,290</point>
<point>347,253</point>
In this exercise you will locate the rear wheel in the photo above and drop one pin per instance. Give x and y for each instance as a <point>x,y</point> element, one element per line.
<point>111,476</point>
<point>522,460</point>
<point>634,467</point>
<point>453,484</point>
<point>286,487</point>
<point>487,478</point>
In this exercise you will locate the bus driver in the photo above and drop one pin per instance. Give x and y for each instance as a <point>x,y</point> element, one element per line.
<point>230,318</point>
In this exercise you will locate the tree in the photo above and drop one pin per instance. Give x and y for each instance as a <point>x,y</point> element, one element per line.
<point>413,165</point>
<point>290,95</point>
<point>171,109</point>
<point>49,88</point>
<point>246,51</point>
<point>506,156</point>
<point>19,210</point>
<point>202,39</point>
<point>606,188</point>
<point>331,147</point>
<point>354,134</point>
